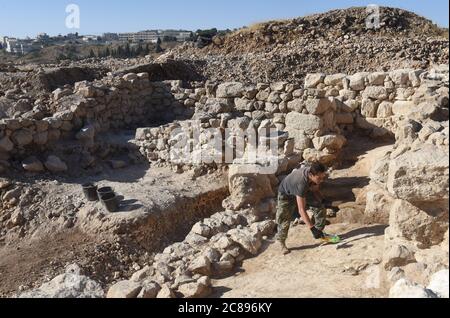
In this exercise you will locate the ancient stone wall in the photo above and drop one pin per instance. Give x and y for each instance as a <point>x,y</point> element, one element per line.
<point>91,108</point>
<point>315,116</point>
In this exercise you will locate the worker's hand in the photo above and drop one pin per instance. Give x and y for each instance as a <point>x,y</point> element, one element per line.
<point>318,234</point>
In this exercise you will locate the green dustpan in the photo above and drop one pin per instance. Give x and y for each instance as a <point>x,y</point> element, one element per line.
<point>333,239</point>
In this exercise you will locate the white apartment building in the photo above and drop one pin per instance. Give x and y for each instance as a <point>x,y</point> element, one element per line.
<point>17,46</point>
<point>153,35</point>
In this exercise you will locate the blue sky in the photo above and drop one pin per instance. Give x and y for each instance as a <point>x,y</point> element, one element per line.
<point>29,17</point>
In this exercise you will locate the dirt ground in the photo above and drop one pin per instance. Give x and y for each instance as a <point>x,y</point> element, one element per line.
<point>44,253</point>
<point>313,270</point>
<point>31,262</point>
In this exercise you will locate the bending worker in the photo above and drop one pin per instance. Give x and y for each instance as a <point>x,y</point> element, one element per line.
<point>301,189</point>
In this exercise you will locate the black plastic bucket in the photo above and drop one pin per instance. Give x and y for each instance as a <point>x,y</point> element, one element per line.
<point>109,200</point>
<point>105,190</point>
<point>90,191</point>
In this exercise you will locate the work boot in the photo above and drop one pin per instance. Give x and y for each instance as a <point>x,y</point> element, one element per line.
<point>283,248</point>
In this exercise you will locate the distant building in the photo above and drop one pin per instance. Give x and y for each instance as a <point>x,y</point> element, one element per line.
<point>153,35</point>
<point>180,35</point>
<point>72,36</point>
<point>90,38</point>
<point>13,46</point>
<point>146,36</point>
<point>43,37</point>
<point>17,46</point>
<point>110,37</point>
<point>125,37</point>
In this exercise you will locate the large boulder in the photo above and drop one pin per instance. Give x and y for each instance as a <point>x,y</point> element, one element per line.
<point>317,106</point>
<point>414,224</point>
<point>199,289</point>
<point>403,107</point>
<point>296,105</point>
<point>400,77</point>
<point>375,92</point>
<point>247,189</point>
<point>377,78</point>
<point>54,164</point>
<point>378,206</point>
<point>201,265</point>
<point>312,80</point>
<point>300,139</point>
<point>165,292</point>
<point>323,157</point>
<point>149,289</point>
<point>439,283</point>
<point>310,124</point>
<point>68,285</point>
<point>230,90</point>
<point>124,289</point>
<point>6,144</point>
<point>334,79</point>
<point>22,137</point>
<point>213,107</point>
<point>369,108</point>
<point>404,288</point>
<point>332,142</point>
<point>357,81</point>
<point>33,164</point>
<point>248,239</point>
<point>420,175</point>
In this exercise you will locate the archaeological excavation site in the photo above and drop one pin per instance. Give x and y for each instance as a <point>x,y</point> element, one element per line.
<point>114,183</point>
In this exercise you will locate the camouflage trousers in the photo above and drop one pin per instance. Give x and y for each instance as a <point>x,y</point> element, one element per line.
<point>287,208</point>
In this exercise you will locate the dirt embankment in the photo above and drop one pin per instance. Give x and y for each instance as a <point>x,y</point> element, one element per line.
<point>332,42</point>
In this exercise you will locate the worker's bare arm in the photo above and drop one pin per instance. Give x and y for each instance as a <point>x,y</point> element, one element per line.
<point>301,202</point>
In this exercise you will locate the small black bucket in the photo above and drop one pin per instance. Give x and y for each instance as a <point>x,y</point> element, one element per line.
<point>105,190</point>
<point>109,200</point>
<point>90,191</point>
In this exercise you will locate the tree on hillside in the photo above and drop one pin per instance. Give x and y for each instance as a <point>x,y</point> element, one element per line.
<point>127,52</point>
<point>158,48</point>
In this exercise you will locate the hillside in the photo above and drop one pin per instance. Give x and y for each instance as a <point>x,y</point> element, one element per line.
<point>335,41</point>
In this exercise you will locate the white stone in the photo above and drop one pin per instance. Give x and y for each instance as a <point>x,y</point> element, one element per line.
<point>67,285</point>
<point>420,175</point>
<point>312,80</point>
<point>310,124</point>
<point>124,289</point>
<point>230,90</point>
<point>54,164</point>
<point>375,92</point>
<point>406,289</point>
<point>439,284</point>
<point>334,80</point>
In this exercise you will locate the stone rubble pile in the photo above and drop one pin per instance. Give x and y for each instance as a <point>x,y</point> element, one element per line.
<point>332,42</point>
